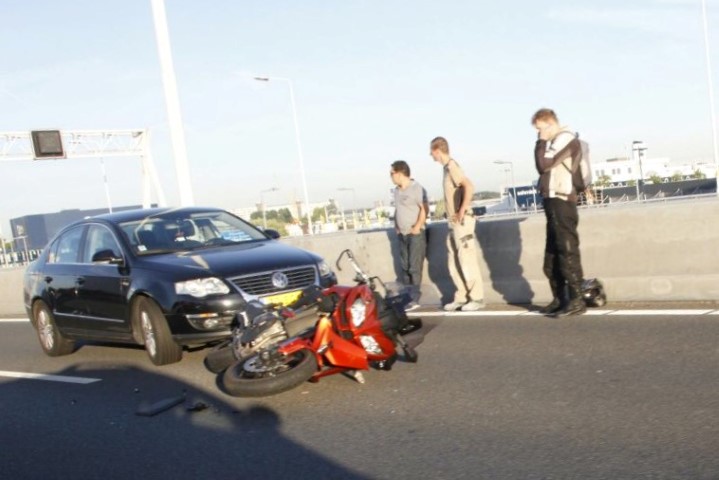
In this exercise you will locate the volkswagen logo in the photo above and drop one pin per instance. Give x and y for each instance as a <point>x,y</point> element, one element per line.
<point>280,280</point>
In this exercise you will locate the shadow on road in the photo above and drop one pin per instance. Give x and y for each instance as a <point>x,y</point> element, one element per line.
<point>93,431</point>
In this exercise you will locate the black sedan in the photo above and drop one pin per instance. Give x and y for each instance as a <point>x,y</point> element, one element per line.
<point>161,278</point>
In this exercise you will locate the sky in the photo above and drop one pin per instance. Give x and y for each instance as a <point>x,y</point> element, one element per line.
<point>374,81</point>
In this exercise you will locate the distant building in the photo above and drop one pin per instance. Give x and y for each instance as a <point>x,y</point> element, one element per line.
<point>36,230</point>
<point>623,170</point>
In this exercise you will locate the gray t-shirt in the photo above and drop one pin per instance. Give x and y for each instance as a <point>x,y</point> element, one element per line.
<point>407,203</point>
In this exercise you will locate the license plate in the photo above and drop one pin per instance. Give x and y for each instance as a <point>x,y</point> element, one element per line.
<point>283,299</point>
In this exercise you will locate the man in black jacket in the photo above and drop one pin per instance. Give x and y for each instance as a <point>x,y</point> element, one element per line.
<point>556,154</point>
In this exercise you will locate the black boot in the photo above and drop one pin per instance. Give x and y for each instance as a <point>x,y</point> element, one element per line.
<point>556,304</point>
<point>576,305</point>
<point>553,307</point>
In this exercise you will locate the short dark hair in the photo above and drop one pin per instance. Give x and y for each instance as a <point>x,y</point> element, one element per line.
<point>441,144</point>
<point>401,167</point>
<point>544,114</point>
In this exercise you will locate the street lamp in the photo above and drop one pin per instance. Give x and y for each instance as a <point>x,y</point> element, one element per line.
<point>710,84</point>
<point>299,145</point>
<point>638,149</point>
<point>262,204</point>
<point>514,188</point>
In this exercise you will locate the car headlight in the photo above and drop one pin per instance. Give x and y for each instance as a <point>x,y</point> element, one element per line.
<point>202,287</point>
<point>325,269</point>
<point>358,311</point>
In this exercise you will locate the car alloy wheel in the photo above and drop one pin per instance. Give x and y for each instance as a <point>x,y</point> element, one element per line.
<point>46,330</point>
<point>148,333</point>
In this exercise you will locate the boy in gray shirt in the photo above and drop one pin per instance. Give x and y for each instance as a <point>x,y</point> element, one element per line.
<point>410,202</point>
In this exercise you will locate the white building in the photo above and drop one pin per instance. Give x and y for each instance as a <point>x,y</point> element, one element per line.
<point>623,170</point>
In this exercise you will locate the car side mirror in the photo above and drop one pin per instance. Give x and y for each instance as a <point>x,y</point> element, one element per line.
<point>107,256</point>
<point>273,234</point>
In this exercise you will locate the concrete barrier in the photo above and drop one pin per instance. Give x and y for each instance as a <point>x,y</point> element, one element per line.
<point>648,252</point>
<point>11,302</point>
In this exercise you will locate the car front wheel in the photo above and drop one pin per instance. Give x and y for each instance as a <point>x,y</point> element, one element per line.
<point>156,336</point>
<point>53,343</point>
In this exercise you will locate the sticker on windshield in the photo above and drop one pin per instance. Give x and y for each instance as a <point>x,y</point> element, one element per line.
<point>141,248</point>
<point>236,236</point>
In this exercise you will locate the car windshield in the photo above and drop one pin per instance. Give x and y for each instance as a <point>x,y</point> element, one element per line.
<point>182,231</point>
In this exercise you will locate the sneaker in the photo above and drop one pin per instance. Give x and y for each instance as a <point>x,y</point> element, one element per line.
<point>411,306</point>
<point>451,307</point>
<point>473,306</point>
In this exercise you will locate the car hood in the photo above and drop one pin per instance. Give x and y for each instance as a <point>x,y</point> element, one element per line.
<point>233,260</point>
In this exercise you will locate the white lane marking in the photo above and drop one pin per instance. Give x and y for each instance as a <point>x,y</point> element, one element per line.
<point>49,378</point>
<point>13,320</point>
<point>660,312</point>
<point>590,313</point>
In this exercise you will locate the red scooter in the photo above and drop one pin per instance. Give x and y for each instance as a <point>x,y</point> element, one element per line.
<point>356,329</point>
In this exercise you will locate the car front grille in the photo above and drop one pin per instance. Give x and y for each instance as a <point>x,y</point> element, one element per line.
<point>261,283</point>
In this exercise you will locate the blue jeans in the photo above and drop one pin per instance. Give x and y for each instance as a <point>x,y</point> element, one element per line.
<point>412,250</point>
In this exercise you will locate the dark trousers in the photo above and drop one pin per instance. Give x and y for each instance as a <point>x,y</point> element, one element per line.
<point>412,250</point>
<point>562,261</point>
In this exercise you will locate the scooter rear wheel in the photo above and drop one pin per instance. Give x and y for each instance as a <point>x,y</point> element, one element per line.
<point>250,378</point>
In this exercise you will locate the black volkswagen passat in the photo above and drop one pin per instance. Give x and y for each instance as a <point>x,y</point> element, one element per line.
<point>161,278</point>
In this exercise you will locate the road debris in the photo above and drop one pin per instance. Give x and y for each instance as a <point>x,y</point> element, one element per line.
<point>146,409</point>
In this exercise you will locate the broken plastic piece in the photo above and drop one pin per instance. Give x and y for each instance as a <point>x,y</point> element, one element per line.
<point>198,407</point>
<point>152,409</point>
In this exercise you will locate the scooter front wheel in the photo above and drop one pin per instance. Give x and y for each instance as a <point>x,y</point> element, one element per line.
<point>251,377</point>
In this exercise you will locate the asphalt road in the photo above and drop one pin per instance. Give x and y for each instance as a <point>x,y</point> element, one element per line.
<point>491,397</point>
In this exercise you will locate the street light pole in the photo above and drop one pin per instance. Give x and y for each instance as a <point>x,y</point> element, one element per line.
<point>172,99</point>
<point>299,145</point>
<point>639,148</point>
<point>2,245</point>
<point>262,204</point>
<point>710,85</point>
<point>514,188</point>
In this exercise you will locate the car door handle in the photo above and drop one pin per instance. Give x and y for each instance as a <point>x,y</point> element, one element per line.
<point>80,281</point>
<point>48,279</point>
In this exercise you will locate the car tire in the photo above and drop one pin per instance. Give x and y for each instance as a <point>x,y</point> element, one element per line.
<point>53,343</point>
<point>155,333</point>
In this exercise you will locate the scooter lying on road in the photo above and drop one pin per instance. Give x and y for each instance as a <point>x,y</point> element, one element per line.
<point>335,330</point>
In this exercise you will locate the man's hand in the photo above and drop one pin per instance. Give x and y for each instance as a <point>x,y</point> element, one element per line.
<point>458,217</point>
<point>415,230</point>
<point>545,134</point>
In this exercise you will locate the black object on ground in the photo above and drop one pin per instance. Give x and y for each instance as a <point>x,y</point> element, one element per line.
<point>151,409</point>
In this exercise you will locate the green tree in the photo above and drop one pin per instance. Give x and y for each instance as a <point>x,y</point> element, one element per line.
<point>439,210</point>
<point>699,175</point>
<point>677,177</point>
<point>285,215</point>
<point>655,179</point>
<point>256,215</point>
<point>278,225</point>
<point>632,183</point>
<point>603,181</point>
<point>486,195</point>
<point>318,214</point>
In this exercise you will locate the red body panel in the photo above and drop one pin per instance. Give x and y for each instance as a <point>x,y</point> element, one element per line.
<point>333,351</point>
